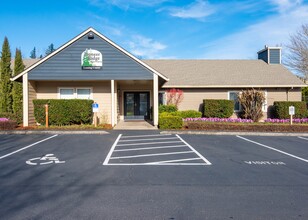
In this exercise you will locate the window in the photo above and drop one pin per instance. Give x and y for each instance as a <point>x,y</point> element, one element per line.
<point>264,105</point>
<point>67,93</point>
<point>75,93</point>
<point>234,96</point>
<point>83,93</point>
<point>162,98</point>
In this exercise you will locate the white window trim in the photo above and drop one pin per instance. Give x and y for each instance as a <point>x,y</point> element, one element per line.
<point>264,105</point>
<point>75,91</point>
<point>239,92</point>
<point>164,97</point>
<point>59,94</point>
<point>91,91</point>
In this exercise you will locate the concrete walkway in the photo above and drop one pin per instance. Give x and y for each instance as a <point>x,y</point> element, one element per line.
<point>134,125</point>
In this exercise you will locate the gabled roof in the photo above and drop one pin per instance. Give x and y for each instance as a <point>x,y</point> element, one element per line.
<point>80,36</point>
<point>224,74</point>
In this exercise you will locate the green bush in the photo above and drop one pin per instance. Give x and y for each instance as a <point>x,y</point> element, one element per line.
<point>189,114</point>
<point>12,116</point>
<point>63,111</point>
<point>170,122</point>
<point>167,108</point>
<point>218,108</point>
<point>182,114</point>
<point>281,109</point>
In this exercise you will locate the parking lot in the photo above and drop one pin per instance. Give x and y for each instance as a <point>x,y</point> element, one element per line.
<point>148,175</point>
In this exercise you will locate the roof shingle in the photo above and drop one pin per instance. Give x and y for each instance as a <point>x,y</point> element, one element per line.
<point>224,73</point>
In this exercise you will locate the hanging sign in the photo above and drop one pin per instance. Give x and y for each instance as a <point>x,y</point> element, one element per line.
<point>91,60</point>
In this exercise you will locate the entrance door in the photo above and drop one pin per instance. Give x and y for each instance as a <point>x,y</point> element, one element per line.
<point>136,105</point>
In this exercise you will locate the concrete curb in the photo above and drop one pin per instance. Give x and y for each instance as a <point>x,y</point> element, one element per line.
<point>235,133</point>
<point>53,132</point>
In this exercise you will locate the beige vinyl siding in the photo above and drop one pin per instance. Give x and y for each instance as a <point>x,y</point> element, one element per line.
<point>100,89</point>
<point>32,96</point>
<point>193,98</point>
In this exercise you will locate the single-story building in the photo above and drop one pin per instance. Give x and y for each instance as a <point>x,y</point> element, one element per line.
<point>91,66</point>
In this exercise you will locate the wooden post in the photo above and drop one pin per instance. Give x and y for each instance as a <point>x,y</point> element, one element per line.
<point>95,119</point>
<point>291,119</point>
<point>46,113</point>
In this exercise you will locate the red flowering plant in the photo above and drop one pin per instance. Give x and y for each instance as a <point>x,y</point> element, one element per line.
<point>174,96</point>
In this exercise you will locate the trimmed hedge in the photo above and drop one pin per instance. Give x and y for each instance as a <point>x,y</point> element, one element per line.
<point>170,122</point>
<point>167,108</point>
<point>64,111</point>
<point>189,114</point>
<point>281,109</point>
<point>218,108</point>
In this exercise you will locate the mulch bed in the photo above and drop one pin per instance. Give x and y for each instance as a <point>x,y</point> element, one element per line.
<point>207,126</point>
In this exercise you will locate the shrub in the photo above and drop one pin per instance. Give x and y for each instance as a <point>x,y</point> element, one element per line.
<point>218,108</point>
<point>189,114</point>
<point>281,109</point>
<point>12,116</point>
<point>170,122</point>
<point>167,108</point>
<point>63,111</point>
<point>7,124</point>
<point>251,101</point>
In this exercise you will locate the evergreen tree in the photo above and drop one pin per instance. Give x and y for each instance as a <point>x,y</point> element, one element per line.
<point>33,53</point>
<point>50,49</point>
<point>5,75</point>
<point>17,86</point>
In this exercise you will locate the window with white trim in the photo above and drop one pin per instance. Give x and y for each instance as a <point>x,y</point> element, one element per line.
<point>66,93</point>
<point>75,93</point>
<point>83,93</point>
<point>264,105</point>
<point>233,95</point>
<point>161,98</point>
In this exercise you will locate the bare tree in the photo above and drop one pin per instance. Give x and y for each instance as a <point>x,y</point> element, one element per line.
<point>297,58</point>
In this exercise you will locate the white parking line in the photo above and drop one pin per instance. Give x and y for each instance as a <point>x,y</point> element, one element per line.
<point>148,139</point>
<point>274,149</point>
<point>150,155</point>
<point>152,135</point>
<point>180,160</point>
<point>149,148</point>
<point>126,145</point>
<point>203,158</point>
<point>303,138</point>
<point>165,142</point>
<point>111,150</point>
<point>4,156</point>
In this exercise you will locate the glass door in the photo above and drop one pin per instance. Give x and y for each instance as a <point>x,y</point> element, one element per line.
<point>136,105</point>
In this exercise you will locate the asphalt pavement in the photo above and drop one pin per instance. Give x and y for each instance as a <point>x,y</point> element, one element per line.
<point>148,175</point>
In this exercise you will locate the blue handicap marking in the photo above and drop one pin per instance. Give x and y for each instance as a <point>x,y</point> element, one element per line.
<point>94,105</point>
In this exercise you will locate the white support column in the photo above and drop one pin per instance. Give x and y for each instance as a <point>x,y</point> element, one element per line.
<point>155,99</point>
<point>112,103</point>
<point>25,92</point>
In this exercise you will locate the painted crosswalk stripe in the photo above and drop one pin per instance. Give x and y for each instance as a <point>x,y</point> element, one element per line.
<point>180,160</point>
<point>147,143</point>
<point>148,139</point>
<point>151,155</point>
<point>150,148</point>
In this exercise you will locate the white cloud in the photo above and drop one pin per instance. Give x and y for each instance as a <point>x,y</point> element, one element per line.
<point>127,4</point>
<point>197,10</point>
<point>145,47</point>
<point>285,5</point>
<point>244,44</point>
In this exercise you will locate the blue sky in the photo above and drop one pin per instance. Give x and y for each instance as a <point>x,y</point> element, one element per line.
<point>157,29</point>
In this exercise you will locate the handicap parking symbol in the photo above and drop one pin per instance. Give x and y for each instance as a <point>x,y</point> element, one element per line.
<point>47,159</point>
